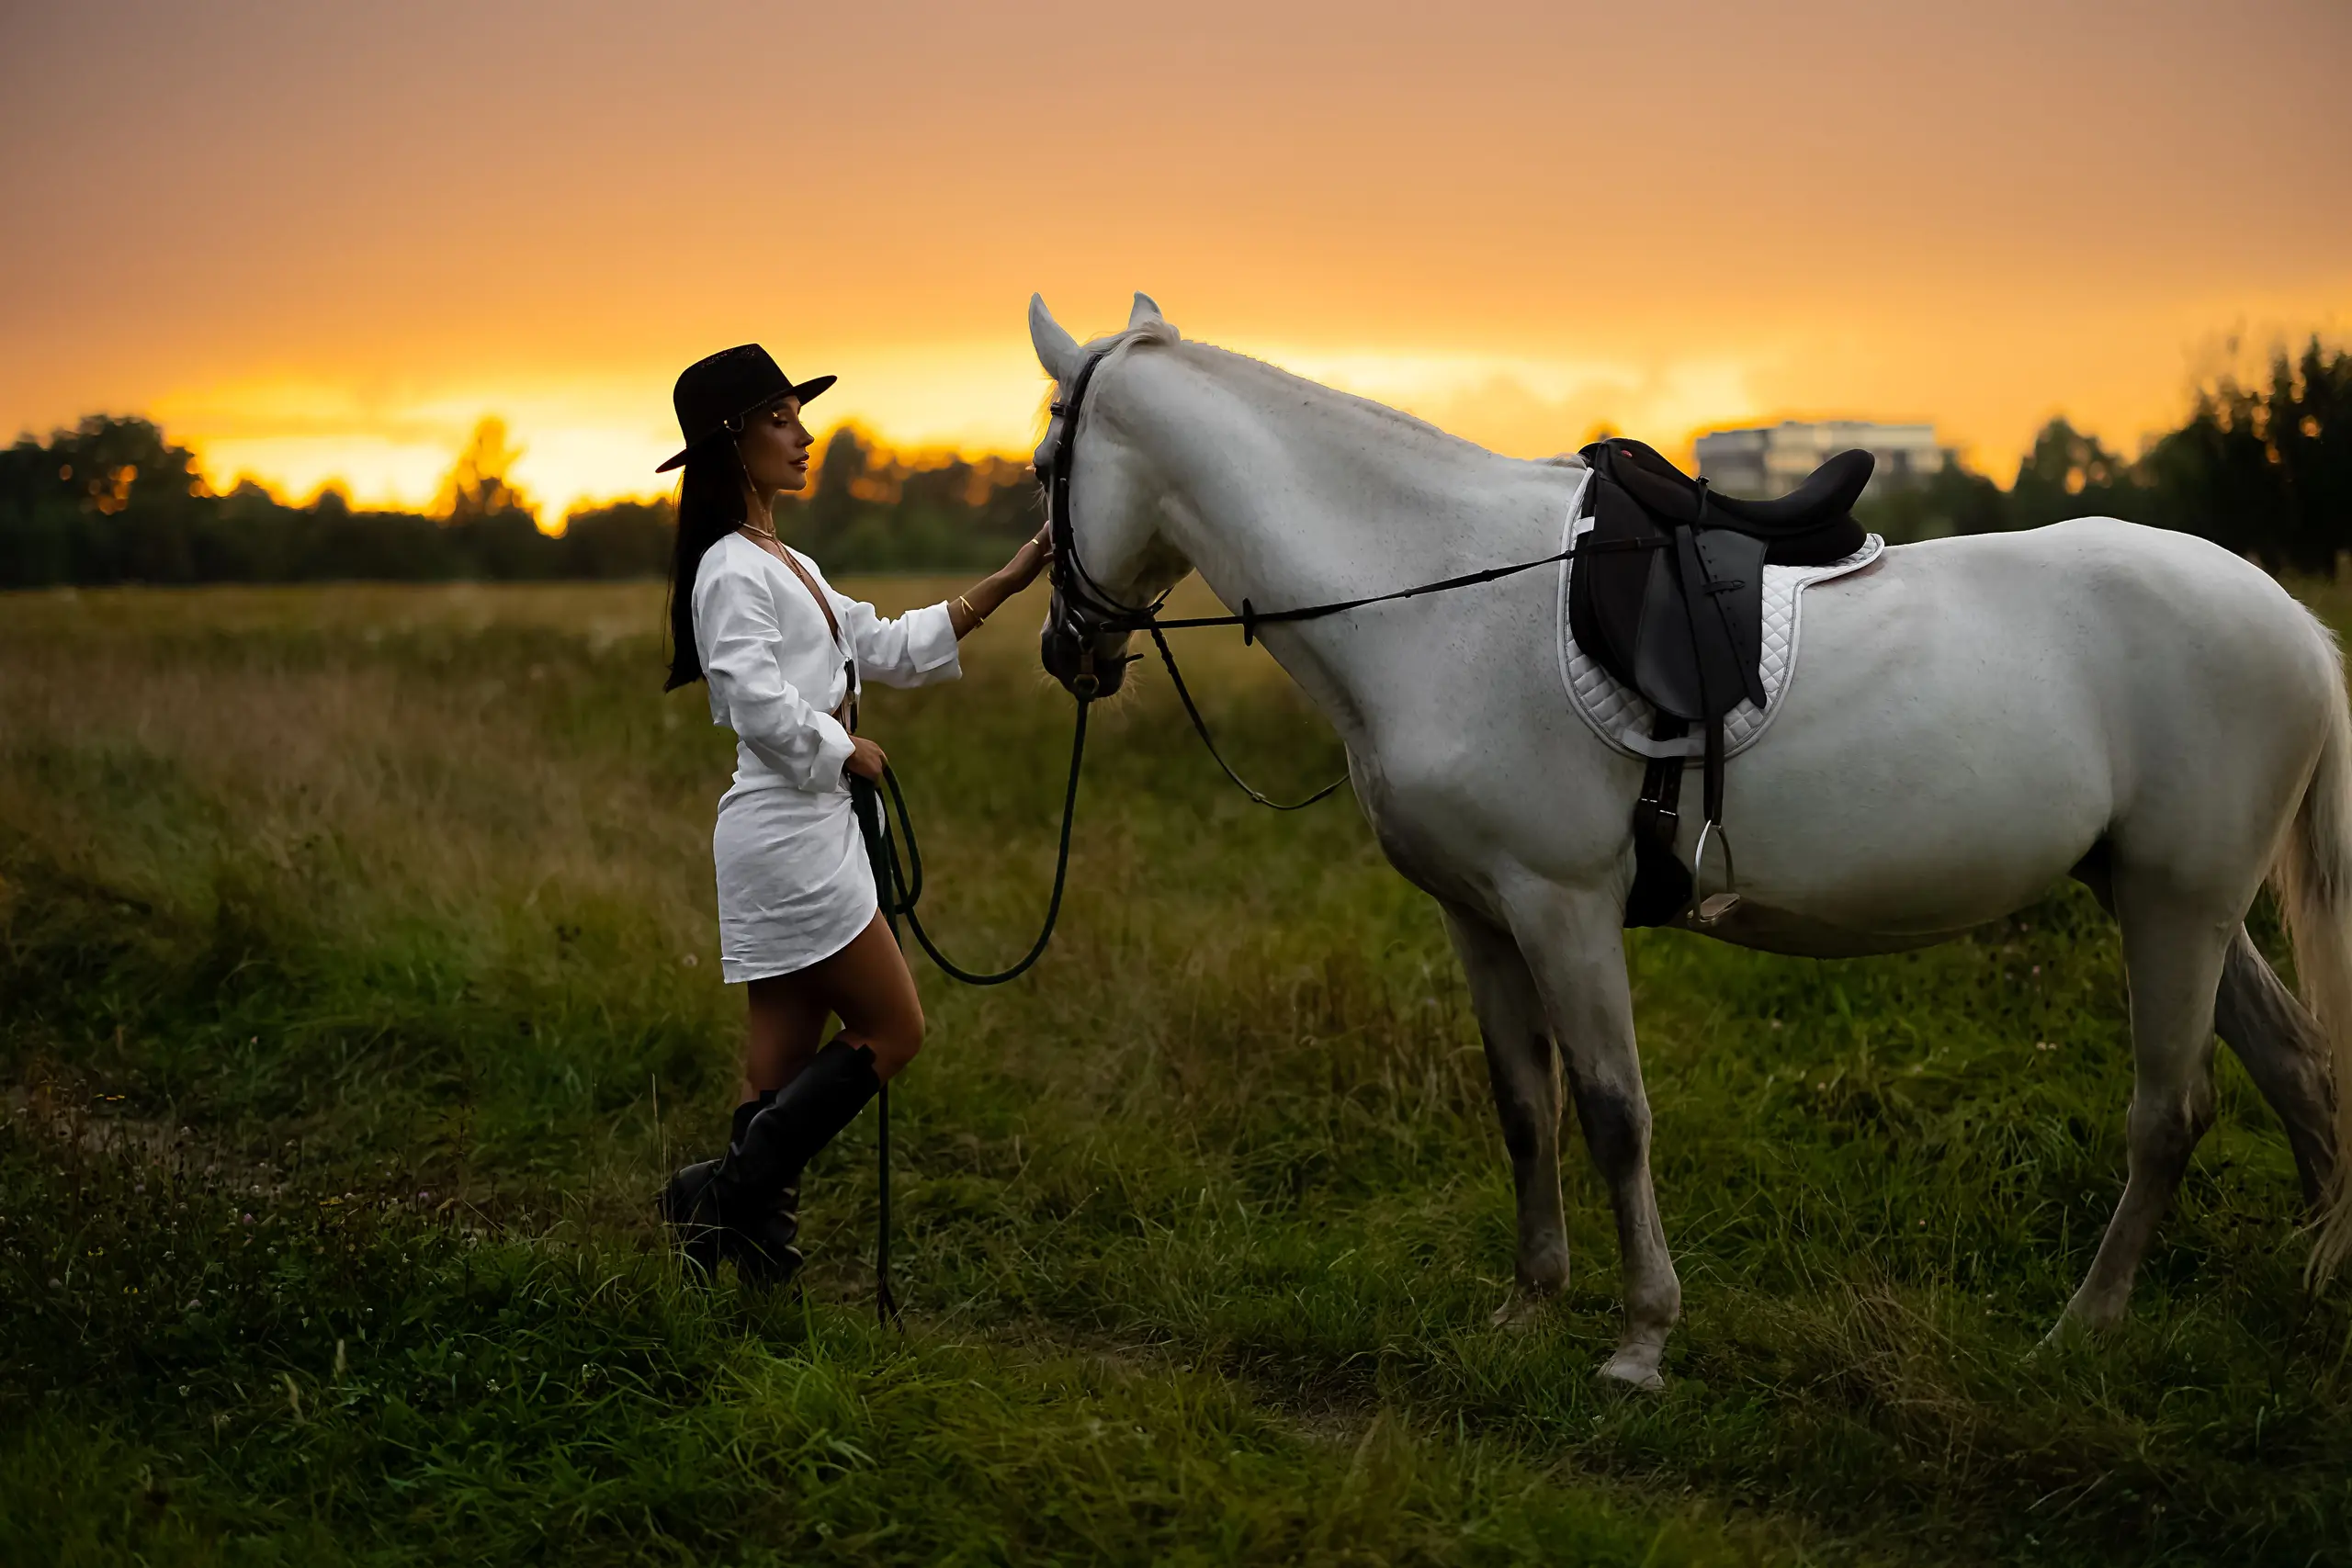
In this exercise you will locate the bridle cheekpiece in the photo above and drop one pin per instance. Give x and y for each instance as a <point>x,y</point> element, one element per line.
<point>1083,610</point>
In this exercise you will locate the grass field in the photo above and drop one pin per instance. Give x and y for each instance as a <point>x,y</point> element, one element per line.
<point>357,984</point>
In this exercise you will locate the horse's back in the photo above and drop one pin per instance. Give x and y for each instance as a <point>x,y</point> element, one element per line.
<point>2108,562</point>
<point>2114,619</point>
<point>1972,714</point>
<point>2149,624</point>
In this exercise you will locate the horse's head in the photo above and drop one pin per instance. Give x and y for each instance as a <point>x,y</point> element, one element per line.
<point>1110,565</point>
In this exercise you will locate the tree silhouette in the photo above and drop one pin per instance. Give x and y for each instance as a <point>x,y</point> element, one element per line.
<point>477,486</point>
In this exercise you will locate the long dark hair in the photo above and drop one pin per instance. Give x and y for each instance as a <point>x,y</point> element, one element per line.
<point>710,507</point>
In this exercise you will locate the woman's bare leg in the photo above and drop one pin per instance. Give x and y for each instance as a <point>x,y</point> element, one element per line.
<point>868,986</point>
<point>786,1024</point>
<point>751,1195</point>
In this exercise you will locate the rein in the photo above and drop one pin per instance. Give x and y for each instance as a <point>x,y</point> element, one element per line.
<point>898,886</point>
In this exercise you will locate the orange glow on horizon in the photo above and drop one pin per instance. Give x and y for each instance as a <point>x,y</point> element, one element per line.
<point>587,440</point>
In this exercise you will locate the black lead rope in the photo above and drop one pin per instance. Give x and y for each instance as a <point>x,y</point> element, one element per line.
<point>897,889</point>
<point>1251,618</point>
<point>885,1301</point>
<point>862,803</point>
<point>900,885</point>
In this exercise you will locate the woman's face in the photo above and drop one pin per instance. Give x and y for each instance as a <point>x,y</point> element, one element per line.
<point>774,445</point>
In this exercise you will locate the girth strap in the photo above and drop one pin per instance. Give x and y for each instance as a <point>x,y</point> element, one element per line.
<point>1662,885</point>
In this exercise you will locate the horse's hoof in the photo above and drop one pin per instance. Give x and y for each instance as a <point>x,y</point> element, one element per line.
<point>1523,1310</point>
<point>2086,1316</point>
<point>2069,1333</point>
<point>1629,1372</point>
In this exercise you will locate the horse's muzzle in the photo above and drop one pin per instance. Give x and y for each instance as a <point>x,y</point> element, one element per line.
<point>1089,664</point>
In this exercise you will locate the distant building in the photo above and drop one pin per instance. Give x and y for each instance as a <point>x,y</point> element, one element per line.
<point>1774,459</point>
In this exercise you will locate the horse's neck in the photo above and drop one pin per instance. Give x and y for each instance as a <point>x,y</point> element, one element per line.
<point>1283,493</point>
<point>1288,493</point>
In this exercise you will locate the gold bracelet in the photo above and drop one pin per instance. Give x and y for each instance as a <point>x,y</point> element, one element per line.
<point>977,619</point>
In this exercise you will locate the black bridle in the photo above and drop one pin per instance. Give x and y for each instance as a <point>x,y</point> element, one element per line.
<point>1083,609</point>
<point>1085,612</point>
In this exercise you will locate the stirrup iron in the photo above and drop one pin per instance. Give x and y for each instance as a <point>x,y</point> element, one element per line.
<point>1715,906</point>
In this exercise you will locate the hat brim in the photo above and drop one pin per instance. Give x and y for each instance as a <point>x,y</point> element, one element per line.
<point>807,392</point>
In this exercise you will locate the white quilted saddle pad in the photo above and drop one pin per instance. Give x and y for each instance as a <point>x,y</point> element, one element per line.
<point>1621,717</point>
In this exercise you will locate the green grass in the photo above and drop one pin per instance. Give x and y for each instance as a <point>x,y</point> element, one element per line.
<point>357,984</point>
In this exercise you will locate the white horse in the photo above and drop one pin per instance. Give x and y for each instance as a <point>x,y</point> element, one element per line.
<point>1975,719</point>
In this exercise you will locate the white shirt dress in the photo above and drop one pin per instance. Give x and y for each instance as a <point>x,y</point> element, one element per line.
<point>794,884</point>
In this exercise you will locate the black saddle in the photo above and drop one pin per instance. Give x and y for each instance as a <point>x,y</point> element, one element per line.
<point>1667,595</point>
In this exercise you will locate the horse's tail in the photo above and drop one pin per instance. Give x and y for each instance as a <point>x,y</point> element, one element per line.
<point>2313,878</point>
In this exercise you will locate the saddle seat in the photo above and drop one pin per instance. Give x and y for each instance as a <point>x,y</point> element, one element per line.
<point>1667,593</point>
<point>1811,525</point>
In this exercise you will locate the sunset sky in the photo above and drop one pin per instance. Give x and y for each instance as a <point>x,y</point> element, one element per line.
<point>318,241</point>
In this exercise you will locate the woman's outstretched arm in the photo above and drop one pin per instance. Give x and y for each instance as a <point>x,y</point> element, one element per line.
<point>978,602</point>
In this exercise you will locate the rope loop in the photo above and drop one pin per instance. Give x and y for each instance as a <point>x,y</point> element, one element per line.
<point>898,885</point>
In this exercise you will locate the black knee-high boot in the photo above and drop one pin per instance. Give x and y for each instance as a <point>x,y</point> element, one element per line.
<point>746,1205</point>
<point>806,1115</point>
<point>685,1204</point>
<point>760,1242</point>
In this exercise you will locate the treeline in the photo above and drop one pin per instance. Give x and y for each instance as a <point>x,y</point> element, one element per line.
<point>114,501</point>
<point>2265,470</point>
<point>873,510</point>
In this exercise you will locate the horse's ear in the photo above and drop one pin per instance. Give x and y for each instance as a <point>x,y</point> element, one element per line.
<point>1147,310</point>
<point>1056,350</point>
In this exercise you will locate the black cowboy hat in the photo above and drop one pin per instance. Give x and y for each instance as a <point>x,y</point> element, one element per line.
<point>717,394</point>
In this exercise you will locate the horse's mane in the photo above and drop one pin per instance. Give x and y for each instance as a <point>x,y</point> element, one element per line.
<point>1395,424</point>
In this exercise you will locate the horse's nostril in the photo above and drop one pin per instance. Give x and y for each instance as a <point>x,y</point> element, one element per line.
<point>1060,652</point>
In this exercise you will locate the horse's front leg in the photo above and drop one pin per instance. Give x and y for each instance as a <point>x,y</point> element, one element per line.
<point>1574,945</point>
<point>1525,1071</point>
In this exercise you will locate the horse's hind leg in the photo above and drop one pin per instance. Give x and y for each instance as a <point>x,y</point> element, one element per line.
<point>1574,946</point>
<point>2173,952</point>
<point>2273,1035</point>
<point>1525,1071</point>
<point>2285,1054</point>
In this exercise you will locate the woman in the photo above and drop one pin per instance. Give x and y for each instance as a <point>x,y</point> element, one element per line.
<point>799,925</point>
